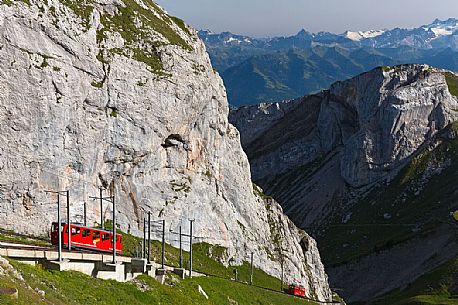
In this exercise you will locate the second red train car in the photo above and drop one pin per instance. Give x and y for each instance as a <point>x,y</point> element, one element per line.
<point>296,290</point>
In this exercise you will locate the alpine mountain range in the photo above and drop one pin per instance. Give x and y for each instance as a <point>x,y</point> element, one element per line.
<point>271,69</point>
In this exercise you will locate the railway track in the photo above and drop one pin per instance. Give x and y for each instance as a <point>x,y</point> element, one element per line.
<point>31,247</point>
<point>21,246</point>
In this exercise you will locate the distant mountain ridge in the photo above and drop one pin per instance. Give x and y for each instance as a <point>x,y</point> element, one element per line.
<point>270,69</point>
<point>439,33</point>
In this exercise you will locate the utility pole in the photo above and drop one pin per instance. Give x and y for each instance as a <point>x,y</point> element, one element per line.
<point>251,273</point>
<point>282,262</point>
<point>110,199</point>
<point>144,238</point>
<point>149,237</point>
<point>190,247</point>
<point>181,235</point>
<point>163,242</point>
<point>69,223</point>
<point>181,251</point>
<point>59,227</point>
<point>59,222</point>
<point>85,213</point>
<point>115,237</point>
<point>101,207</point>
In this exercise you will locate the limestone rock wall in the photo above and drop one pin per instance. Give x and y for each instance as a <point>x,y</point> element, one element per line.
<point>138,110</point>
<point>378,119</point>
<point>382,117</point>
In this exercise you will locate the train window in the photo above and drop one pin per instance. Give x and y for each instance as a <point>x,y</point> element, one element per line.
<point>76,231</point>
<point>95,235</point>
<point>105,237</point>
<point>86,233</point>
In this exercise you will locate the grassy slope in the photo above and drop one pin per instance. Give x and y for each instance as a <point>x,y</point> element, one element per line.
<point>439,287</point>
<point>277,75</point>
<point>9,236</point>
<point>67,287</point>
<point>452,82</point>
<point>75,288</point>
<point>206,259</point>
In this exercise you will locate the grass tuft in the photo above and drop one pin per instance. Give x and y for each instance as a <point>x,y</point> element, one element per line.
<point>452,82</point>
<point>135,24</point>
<point>81,8</point>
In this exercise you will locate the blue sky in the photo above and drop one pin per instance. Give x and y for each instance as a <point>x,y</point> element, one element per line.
<point>262,18</point>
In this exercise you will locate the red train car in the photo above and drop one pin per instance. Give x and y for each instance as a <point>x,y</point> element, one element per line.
<point>296,290</point>
<point>86,238</point>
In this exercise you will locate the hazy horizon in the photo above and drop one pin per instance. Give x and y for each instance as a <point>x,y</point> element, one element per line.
<point>267,18</point>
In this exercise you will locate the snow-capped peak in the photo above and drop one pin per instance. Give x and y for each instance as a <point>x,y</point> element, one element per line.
<point>442,28</point>
<point>237,40</point>
<point>360,35</point>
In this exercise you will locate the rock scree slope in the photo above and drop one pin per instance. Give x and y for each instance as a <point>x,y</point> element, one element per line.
<point>118,94</point>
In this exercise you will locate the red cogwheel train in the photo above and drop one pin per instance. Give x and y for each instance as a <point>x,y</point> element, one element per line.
<point>296,290</point>
<point>86,238</point>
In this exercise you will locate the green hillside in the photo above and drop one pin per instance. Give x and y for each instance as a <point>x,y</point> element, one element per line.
<point>439,287</point>
<point>67,287</point>
<point>255,73</point>
<point>75,288</point>
<point>288,74</point>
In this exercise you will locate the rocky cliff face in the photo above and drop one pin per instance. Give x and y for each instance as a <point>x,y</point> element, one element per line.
<point>344,163</point>
<point>365,129</point>
<point>120,95</point>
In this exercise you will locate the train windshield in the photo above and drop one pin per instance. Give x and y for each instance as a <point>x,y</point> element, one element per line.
<point>55,227</point>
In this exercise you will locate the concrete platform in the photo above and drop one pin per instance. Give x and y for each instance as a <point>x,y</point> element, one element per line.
<point>111,272</point>
<point>151,269</point>
<point>94,264</point>
<point>139,265</point>
<point>160,275</point>
<point>181,272</point>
